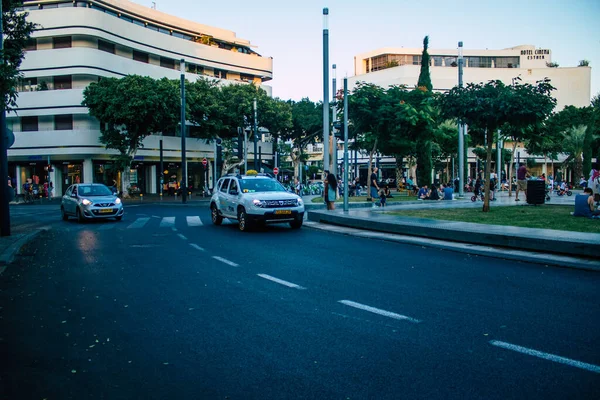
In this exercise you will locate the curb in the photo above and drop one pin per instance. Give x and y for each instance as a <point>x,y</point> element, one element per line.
<point>8,255</point>
<point>502,253</point>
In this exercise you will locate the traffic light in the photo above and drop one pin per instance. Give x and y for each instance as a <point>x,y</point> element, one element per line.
<point>238,143</point>
<point>338,130</point>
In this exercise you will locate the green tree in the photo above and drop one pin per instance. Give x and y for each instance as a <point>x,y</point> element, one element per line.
<point>490,106</point>
<point>307,125</point>
<point>364,106</point>
<point>275,115</point>
<point>573,145</point>
<point>129,109</point>
<point>424,146</point>
<point>17,32</point>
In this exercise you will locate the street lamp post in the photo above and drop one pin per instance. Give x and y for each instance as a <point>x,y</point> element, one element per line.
<point>184,189</point>
<point>461,130</point>
<point>255,137</point>
<point>325,90</point>
<point>346,174</point>
<point>4,212</point>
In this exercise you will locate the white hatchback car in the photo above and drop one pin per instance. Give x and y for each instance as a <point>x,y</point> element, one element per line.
<point>91,201</point>
<point>252,199</point>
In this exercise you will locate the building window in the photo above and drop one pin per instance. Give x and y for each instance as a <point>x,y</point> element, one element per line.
<point>28,85</point>
<point>416,60</point>
<point>62,42</point>
<point>29,124</point>
<point>63,122</point>
<point>219,73</point>
<point>437,61</point>
<point>152,27</point>
<point>106,46</point>
<point>246,77</point>
<point>167,62</point>
<point>140,56</point>
<point>507,62</point>
<point>450,62</point>
<point>63,82</point>
<point>31,45</point>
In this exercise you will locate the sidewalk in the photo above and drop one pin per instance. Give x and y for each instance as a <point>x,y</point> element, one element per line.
<point>529,239</point>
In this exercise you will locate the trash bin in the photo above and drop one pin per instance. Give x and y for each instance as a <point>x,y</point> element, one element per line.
<point>536,192</point>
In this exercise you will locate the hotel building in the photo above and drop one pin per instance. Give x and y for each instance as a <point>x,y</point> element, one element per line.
<point>79,42</point>
<point>401,66</point>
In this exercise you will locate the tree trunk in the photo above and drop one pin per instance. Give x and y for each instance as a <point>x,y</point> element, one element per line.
<point>371,153</point>
<point>490,142</point>
<point>398,171</point>
<point>509,175</point>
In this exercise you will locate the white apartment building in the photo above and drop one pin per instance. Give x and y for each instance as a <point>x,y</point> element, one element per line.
<point>401,66</point>
<point>79,42</point>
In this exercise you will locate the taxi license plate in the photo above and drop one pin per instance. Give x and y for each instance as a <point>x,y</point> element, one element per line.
<point>105,210</point>
<point>283,212</point>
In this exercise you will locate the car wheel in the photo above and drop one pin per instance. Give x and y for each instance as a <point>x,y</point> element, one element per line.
<point>79,216</point>
<point>244,224</point>
<point>63,214</point>
<point>473,198</point>
<point>214,213</point>
<point>120,217</point>
<point>297,223</point>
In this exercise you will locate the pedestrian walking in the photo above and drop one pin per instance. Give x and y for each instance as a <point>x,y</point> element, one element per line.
<point>522,175</point>
<point>374,185</point>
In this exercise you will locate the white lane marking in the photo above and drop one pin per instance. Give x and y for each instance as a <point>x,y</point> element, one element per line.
<point>155,216</point>
<point>139,223</point>
<point>281,281</point>
<point>546,356</point>
<point>193,220</point>
<point>181,236</point>
<point>223,260</point>
<point>197,247</point>
<point>379,311</point>
<point>167,221</point>
<point>174,229</point>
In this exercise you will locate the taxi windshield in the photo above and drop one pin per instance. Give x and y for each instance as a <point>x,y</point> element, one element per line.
<point>260,185</point>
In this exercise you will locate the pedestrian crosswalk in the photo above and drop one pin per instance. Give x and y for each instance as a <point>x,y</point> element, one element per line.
<point>129,223</point>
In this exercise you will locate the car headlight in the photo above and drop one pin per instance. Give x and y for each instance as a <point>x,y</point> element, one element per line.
<point>258,203</point>
<point>86,202</point>
<point>118,201</point>
<point>300,202</point>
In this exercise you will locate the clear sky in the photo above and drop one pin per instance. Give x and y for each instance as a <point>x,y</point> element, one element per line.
<point>291,31</point>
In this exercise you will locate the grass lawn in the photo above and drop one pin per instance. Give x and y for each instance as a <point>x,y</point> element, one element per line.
<point>545,217</point>
<point>359,199</point>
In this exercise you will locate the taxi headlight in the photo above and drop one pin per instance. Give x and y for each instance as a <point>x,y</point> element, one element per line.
<point>86,202</point>
<point>258,203</point>
<point>300,202</point>
<point>118,201</point>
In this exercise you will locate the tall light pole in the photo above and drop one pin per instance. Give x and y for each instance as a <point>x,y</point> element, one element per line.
<point>461,130</point>
<point>184,189</point>
<point>4,212</point>
<point>255,137</point>
<point>346,174</point>
<point>334,119</point>
<point>325,90</point>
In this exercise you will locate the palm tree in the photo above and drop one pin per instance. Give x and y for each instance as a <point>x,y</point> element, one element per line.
<point>573,145</point>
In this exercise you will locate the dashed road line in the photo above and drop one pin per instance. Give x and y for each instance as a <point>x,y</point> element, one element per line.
<point>194,245</point>
<point>281,281</point>
<point>546,356</point>
<point>181,236</point>
<point>374,310</point>
<point>224,260</point>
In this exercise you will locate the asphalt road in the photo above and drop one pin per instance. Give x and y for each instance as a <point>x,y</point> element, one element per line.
<point>163,305</point>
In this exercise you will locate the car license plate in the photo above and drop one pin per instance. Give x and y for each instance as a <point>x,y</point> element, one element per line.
<point>105,210</point>
<point>283,212</point>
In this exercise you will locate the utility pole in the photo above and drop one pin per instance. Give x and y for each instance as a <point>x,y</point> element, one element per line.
<point>4,211</point>
<point>334,119</point>
<point>325,90</point>
<point>184,189</point>
<point>255,136</point>
<point>346,174</point>
<point>162,171</point>
<point>461,130</point>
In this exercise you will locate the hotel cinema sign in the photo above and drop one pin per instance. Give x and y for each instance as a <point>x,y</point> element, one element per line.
<point>539,54</point>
